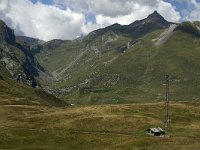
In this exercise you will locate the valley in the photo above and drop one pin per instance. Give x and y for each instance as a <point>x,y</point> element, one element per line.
<point>114,65</point>
<point>115,74</point>
<point>102,90</point>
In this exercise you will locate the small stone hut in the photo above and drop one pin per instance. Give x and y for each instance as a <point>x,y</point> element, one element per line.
<point>155,131</point>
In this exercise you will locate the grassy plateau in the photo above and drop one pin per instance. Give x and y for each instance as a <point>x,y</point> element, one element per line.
<point>97,127</point>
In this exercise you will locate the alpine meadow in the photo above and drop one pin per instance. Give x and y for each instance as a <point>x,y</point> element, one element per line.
<point>131,87</point>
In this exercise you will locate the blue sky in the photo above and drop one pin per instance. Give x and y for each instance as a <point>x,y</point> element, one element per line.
<point>48,2</point>
<point>182,6</point>
<point>178,4</point>
<point>68,19</point>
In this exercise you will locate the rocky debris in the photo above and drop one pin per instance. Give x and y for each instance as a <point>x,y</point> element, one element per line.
<point>112,81</point>
<point>109,37</point>
<point>57,74</point>
<point>10,62</point>
<point>46,77</point>
<point>166,35</point>
<point>25,79</point>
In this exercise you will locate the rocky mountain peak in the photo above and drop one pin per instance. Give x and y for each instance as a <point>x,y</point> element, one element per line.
<point>155,14</point>
<point>138,28</point>
<point>158,19</point>
<point>6,34</point>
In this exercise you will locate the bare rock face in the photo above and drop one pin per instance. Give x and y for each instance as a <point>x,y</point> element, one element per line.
<point>15,59</point>
<point>6,34</point>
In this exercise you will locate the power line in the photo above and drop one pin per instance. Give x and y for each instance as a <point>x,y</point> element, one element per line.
<point>166,106</point>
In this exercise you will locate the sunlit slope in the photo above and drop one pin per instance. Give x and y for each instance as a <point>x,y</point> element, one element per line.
<point>120,64</point>
<point>13,93</point>
<point>98,127</point>
<point>109,72</point>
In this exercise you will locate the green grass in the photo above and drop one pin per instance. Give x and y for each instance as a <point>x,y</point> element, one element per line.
<point>51,57</point>
<point>16,93</point>
<point>140,70</point>
<point>98,127</point>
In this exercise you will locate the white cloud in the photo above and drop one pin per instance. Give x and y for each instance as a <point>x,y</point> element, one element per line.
<point>89,26</point>
<point>140,9</point>
<point>168,11</point>
<point>41,21</point>
<point>112,8</point>
<point>191,10</point>
<point>67,19</point>
<point>194,12</point>
<point>77,5</point>
<point>123,12</point>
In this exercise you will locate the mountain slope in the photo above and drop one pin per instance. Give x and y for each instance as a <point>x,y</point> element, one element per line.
<point>52,50</point>
<point>19,72</point>
<point>15,58</point>
<point>121,64</point>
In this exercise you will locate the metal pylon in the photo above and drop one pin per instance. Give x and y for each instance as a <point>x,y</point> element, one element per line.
<point>166,106</point>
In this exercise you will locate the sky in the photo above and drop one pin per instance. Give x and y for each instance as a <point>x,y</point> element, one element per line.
<point>69,19</point>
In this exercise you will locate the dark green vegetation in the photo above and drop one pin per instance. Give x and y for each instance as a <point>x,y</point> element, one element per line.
<point>102,127</point>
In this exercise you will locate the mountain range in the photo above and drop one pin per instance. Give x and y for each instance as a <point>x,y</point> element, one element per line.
<point>116,64</point>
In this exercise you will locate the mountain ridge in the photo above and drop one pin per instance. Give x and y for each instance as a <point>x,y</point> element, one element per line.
<point>121,64</point>
<point>88,68</point>
<point>152,22</point>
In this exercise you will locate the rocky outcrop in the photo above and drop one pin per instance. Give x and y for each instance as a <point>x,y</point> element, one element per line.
<point>6,34</point>
<point>17,59</point>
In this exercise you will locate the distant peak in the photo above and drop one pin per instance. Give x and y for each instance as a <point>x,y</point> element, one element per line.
<point>155,14</point>
<point>116,24</point>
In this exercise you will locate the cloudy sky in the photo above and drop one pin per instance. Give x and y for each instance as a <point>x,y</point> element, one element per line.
<point>68,19</point>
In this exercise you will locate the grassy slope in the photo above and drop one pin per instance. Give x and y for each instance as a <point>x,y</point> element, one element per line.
<point>15,93</point>
<point>98,127</point>
<point>51,57</point>
<point>141,69</point>
<point>144,66</point>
